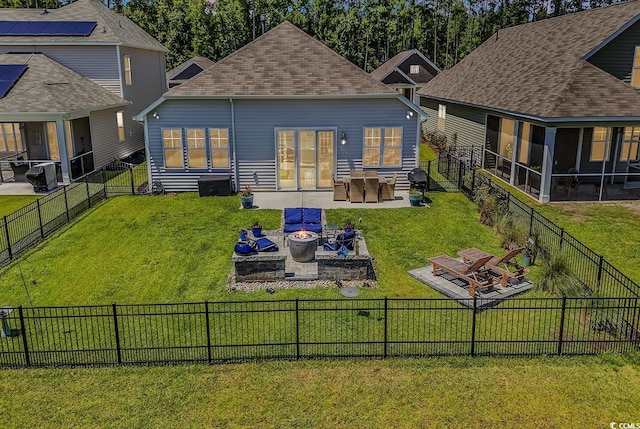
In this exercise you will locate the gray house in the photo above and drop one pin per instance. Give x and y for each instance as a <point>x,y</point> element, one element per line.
<point>187,70</point>
<point>551,107</point>
<point>87,71</point>
<point>407,72</point>
<point>282,113</point>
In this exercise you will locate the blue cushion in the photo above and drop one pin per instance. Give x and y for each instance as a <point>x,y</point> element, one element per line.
<point>293,227</point>
<point>349,234</point>
<point>293,215</point>
<point>266,245</point>
<point>244,248</point>
<point>313,227</point>
<point>330,246</point>
<point>312,215</point>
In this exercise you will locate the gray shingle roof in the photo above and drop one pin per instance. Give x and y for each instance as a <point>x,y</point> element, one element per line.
<point>390,64</point>
<point>203,62</point>
<point>285,61</point>
<point>112,27</point>
<point>49,87</point>
<point>397,60</point>
<point>537,69</point>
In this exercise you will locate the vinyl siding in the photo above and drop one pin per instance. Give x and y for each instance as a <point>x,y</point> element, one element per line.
<point>431,108</point>
<point>104,137</point>
<point>256,122</point>
<point>616,57</point>
<point>98,63</point>
<point>465,128</point>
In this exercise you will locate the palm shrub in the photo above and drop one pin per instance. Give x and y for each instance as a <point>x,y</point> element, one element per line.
<point>556,277</point>
<point>512,232</point>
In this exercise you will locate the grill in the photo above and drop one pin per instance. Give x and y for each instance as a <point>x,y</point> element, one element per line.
<point>418,180</point>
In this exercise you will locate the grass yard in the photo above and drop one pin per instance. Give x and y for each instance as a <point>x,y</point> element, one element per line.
<point>11,203</point>
<point>177,248</point>
<point>427,153</point>
<point>454,392</point>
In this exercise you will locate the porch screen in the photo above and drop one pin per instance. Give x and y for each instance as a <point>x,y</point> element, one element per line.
<point>196,154</point>
<point>172,142</point>
<point>219,145</point>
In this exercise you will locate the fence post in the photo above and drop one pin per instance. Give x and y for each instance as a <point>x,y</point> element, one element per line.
<point>531,222</point>
<point>600,263</point>
<point>561,238</point>
<point>40,218</point>
<point>104,183</point>
<point>66,203</point>
<point>115,325</point>
<point>386,306</point>
<point>6,233</point>
<point>133,185</point>
<point>473,182</point>
<point>297,332</point>
<point>23,330</point>
<point>206,312</point>
<point>564,307</point>
<point>460,174</point>
<point>86,180</point>
<point>429,176</point>
<point>473,326</point>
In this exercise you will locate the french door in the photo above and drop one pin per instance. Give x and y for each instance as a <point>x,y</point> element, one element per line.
<point>305,158</point>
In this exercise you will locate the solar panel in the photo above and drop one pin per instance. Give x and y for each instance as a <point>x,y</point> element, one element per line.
<point>9,75</point>
<point>46,28</point>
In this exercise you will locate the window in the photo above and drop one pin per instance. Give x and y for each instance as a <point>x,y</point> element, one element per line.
<point>52,140</point>
<point>629,150</point>
<point>120,118</point>
<point>172,142</point>
<point>127,70</point>
<point>507,130</point>
<point>68,134</point>
<point>196,154</point>
<point>523,150</point>
<point>414,69</point>
<point>12,139</point>
<point>442,116</point>
<point>635,71</point>
<point>219,145</point>
<point>599,144</point>
<point>382,147</point>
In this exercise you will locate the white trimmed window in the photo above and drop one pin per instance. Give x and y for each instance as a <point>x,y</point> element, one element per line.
<point>442,116</point>
<point>196,150</point>
<point>599,144</point>
<point>414,69</point>
<point>382,147</point>
<point>219,146</point>
<point>635,71</point>
<point>12,139</point>
<point>120,119</point>
<point>52,141</point>
<point>127,70</point>
<point>172,143</point>
<point>629,150</point>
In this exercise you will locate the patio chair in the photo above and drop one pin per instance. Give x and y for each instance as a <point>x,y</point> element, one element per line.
<point>19,171</point>
<point>388,188</point>
<point>356,189</point>
<point>506,267</point>
<point>339,190</point>
<point>475,274</point>
<point>371,187</point>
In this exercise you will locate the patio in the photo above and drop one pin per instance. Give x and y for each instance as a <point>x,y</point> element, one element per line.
<point>324,199</point>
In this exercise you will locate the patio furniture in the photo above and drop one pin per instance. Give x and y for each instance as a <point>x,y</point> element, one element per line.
<point>356,187</point>
<point>506,267</point>
<point>339,190</point>
<point>265,245</point>
<point>475,274</point>
<point>371,187</point>
<point>302,218</point>
<point>19,171</point>
<point>388,188</point>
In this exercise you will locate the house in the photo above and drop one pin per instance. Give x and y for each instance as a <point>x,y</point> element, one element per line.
<point>187,70</point>
<point>551,106</point>
<point>406,72</point>
<point>284,112</point>
<point>77,75</point>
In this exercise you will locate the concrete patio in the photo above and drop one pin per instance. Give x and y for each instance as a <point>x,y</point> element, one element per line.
<point>323,199</point>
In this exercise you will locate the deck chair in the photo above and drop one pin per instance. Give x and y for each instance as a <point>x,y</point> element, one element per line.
<point>475,274</point>
<point>506,267</point>
<point>356,189</point>
<point>339,190</point>
<point>388,188</point>
<point>371,187</point>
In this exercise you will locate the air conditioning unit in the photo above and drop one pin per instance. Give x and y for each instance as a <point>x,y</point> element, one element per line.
<point>43,177</point>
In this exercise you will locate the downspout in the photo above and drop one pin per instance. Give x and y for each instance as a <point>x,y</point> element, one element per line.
<point>233,142</point>
<point>147,152</point>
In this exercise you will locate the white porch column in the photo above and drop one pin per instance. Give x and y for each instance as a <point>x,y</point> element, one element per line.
<point>547,164</point>
<point>514,151</point>
<point>62,149</point>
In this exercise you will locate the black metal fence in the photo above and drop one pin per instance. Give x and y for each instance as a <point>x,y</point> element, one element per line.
<point>596,273</point>
<point>22,229</point>
<point>295,329</point>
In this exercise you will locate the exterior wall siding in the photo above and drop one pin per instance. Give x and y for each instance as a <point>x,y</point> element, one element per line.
<point>616,58</point>
<point>98,63</point>
<point>465,128</point>
<point>256,122</point>
<point>104,137</point>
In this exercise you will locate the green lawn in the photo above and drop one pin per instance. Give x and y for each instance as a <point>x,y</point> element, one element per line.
<point>427,153</point>
<point>11,203</point>
<point>460,392</point>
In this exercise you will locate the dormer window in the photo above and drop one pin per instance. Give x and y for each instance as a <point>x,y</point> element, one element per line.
<point>635,73</point>
<point>414,69</point>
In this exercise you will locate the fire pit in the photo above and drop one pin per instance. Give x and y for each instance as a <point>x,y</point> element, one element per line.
<point>302,245</point>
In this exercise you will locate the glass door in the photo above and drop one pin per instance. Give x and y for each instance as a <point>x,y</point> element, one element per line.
<point>286,160</point>
<point>325,158</point>
<point>307,159</point>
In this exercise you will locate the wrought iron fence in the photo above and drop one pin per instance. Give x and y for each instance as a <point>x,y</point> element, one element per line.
<point>215,332</point>
<point>22,229</point>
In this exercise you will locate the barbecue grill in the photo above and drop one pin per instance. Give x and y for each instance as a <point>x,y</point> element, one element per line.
<point>418,180</point>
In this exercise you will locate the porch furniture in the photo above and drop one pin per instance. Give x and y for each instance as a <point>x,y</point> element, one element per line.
<point>371,187</point>
<point>302,218</point>
<point>475,274</point>
<point>19,171</point>
<point>356,187</point>
<point>388,188</point>
<point>506,267</point>
<point>339,190</point>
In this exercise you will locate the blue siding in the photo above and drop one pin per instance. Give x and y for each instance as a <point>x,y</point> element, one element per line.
<point>255,124</point>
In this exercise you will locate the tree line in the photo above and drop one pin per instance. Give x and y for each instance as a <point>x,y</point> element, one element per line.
<point>366,32</point>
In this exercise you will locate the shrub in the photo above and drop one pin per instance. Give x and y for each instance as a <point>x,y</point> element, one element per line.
<point>436,139</point>
<point>555,277</point>
<point>512,232</point>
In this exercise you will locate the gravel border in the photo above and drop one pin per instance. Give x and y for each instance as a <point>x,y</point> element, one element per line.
<point>232,285</point>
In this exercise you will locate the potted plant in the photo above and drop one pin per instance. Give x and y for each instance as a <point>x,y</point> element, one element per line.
<point>527,253</point>
<point>246,196</point>
<point>415,197</point>
<point>256,229</point>
<point>243,235</point>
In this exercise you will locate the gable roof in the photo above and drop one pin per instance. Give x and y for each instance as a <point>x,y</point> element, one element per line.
<point>396,61</point>
<point>111,28</point>
<point>201,62</point>
<point>538,69</point>
<point>285,61</point>
<point>49,87</point>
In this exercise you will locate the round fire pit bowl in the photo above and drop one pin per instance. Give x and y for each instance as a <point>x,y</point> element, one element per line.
<point>303,245</point>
